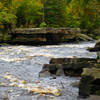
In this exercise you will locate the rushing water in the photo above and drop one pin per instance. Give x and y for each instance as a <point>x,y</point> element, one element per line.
<point>26,62</point>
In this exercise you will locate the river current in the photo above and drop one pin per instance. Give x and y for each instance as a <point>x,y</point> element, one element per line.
<point>25,62</point>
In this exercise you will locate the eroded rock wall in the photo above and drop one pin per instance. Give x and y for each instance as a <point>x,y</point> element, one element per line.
<point>48,35</point>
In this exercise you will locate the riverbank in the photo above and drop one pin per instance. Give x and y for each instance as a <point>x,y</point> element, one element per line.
<point>42,36</point>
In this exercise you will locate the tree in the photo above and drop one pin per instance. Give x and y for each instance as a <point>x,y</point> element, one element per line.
<point>83,14</point>
<point>29,13</point>
<point>7,20</point>
<point>55,13</point>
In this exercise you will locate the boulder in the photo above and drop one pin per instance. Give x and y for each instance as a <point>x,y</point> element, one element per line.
<point>53,69</point>
<point>90,82</point>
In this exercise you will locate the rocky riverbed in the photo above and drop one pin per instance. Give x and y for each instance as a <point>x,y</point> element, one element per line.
<point>25,63</point>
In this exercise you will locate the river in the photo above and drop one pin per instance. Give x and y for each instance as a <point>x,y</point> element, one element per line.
<point>25,62</point>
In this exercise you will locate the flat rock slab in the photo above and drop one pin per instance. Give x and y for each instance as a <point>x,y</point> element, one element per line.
<point>71,60</point>
<point>36,36</point>
<point>67,66</point>
<point>47,30</point>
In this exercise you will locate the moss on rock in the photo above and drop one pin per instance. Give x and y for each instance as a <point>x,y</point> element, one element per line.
<point>93,72</point>
<point>90,82</point>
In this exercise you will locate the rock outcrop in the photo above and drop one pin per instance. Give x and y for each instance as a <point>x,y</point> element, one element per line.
<point>88,69</point>
<point>67,66</point>
<point>90,82</point>
<point>48,35</point>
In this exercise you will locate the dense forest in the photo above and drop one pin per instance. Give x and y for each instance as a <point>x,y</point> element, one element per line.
<point>83,14</point>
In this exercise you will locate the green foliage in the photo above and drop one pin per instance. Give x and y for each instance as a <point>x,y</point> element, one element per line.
<point>83,14</point>
<point>5,16</point>
<point>7,20</point>
<point>29,13</point>
<point>55,13</point>
<point>43,24</point>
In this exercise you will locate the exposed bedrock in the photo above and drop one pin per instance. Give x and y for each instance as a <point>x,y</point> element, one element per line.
<point>90,82</point>
<point>71,60</point>
<point>87,68</point>
<point>48,35</point>
<point>67,66</point>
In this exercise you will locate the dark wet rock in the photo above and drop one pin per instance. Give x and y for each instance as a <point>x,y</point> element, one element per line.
<point>48,35</point>
<point>76,68</point>
<point>84,87</point>
<point>50,70</point>
<point>68,66</point>
<point>53,69</point>
<point>71,60</point>
<point>60,72</point>
<point>90,82</point>
<point>96,47</point>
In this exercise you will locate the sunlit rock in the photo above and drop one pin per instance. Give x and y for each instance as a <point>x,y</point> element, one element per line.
<point>90,82</point>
